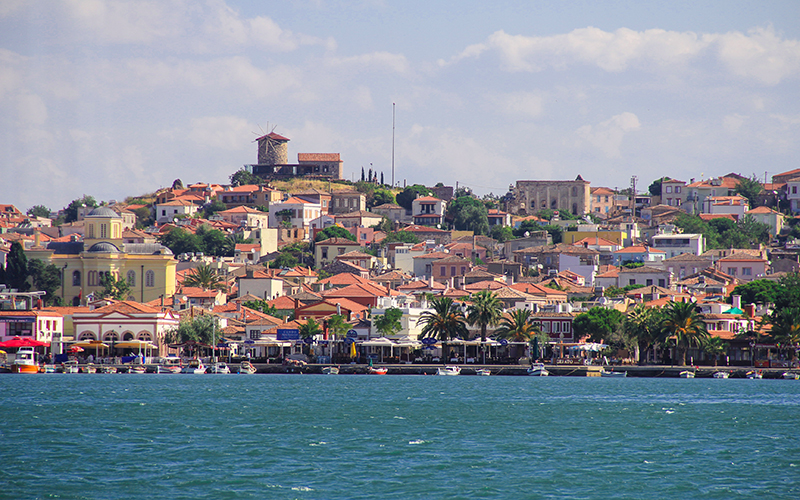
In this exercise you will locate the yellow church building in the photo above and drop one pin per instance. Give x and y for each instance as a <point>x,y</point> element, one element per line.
<point>149,268</point>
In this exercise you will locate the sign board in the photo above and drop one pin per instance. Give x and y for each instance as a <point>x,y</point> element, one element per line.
<point>352,334</point>
<point>309,340</point>
<point>288,334</point>
<point>428,341</point>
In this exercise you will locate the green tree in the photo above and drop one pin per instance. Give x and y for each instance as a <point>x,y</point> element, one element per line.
<point>759,291</point>
<point>501,233</point>
<point>556,233</point>
<point>468,214</point>
<point>201,328</point>
<point>598,323</point>
<point>285,217</point>
<point>261,306</point>
<point>685,324</point>
<point>205,277</point>
<point>381,197</point>
<point>179,241</point>
<point>750,188</point>
<point>485,310</point>
<point>337,326</point>
<point>400,236</point>
<point>117,289</point>
<point>214,207</point>
<point>517,327</point>
<point>45,278</point>
<point>334,232</point>
<point>755,232</point>
<point>143,217</point>
<point>243,177</point>
<point>445,322</point>
<point>388,323</point>
<point>39,211</point>
<point>17,268</point>
<point>284,260</point>
<point>409,194</point>
<point>71,212</point>
<point>655,187</point>
<point>715,346</point>
<point>643,325</point>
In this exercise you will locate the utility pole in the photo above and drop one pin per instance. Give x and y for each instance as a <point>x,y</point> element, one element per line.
<point>633,194</point>
<point>392,144</point>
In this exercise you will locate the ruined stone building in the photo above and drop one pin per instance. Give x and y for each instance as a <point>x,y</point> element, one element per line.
<point>273,161</point>
<point>528,197</point>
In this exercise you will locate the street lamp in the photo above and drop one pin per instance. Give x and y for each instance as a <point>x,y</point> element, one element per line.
<point>752,353</point>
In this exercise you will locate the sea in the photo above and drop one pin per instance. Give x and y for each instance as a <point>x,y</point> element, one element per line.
<point>128,436</point>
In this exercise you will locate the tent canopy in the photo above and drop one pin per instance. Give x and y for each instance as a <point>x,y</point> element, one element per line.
<point>23,342</point>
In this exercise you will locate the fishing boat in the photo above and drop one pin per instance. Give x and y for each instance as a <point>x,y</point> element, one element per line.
<point>138,369</point>
<point>538,370</point>
<point>604,373</point>
<point>377,371</point>
<point>247,368</point>
<point>25,361</point>
<point>219,367</point>
<point>89,368</point>
<point>754,375</point>
<point>791,376</point>
<point>721,375</point>
<point>449,370</point>
<point>686,374</point>
<point>330,370</point>
<point>195,367</point>
<point>48,369</point>
<point>108,369</point>
<point>70,366</point>
<point>483,372</point>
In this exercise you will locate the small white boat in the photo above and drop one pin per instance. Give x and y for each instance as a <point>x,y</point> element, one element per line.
<point>791,376</point>
<point>90,368</point>
<point>108,369</point>
<point>721,375</point>
<point>50,369</point>
<point>247,368</point>
<point>195,367</point>
<point>138,369</point>
<point>70,366</point>
<point>538,370</point>
<point>25,361</point>
<point>377,371</point>
<point>449,370</point>
<point>219,367</point>
<point>686,374</point>
<point>330,370</point>
<point>483,372</point>
<point>754,375</point>
<point>604,373</point>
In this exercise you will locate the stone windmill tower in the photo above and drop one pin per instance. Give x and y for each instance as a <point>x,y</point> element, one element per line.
<point>273,149</point>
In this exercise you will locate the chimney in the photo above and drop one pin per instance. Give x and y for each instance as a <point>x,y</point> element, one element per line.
<point>510,279</point>
<point>37,237</point>
<point>238,306</point>
<point>430,280</point>
<point>750,310</point>
<point>737,301</point>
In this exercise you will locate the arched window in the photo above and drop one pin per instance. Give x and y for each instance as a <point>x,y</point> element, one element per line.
<point>87,336</point>
<point>574,209</point>
<point>145,336</point>
<point>574,190</point>
<point>92,278</point>
<point>103,231</point>
<point>110,337</point>
<point>127,336</point>
<point>76,278</point>
<point>554,203</point>
<point>150,279</point>
<point>131,278</point>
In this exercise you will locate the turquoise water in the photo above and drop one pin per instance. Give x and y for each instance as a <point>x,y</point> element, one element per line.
<point>396,437</point>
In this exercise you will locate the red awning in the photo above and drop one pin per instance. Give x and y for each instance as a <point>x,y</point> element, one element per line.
<point>23,342</point>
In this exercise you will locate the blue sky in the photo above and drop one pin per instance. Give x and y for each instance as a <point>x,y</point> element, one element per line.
<point>117,98</point>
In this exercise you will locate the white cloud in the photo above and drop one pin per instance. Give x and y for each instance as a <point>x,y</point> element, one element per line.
<point>396,63</point>
<point>31,109</point>
<point>733,123</point>
<point>760,54</point>
<point>120,21</point>
<point>518,103</point>
<point>223,132</point>
<point>608,135</point>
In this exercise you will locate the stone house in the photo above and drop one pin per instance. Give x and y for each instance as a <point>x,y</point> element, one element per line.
<point>570,196</point>
<point>346,201</point>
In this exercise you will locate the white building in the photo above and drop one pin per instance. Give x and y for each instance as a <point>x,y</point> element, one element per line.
<point>166,212</point>
<point>677,244</point>
<point>300,215</point>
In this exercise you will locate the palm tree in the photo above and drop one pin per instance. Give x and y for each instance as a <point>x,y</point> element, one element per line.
<point>517,327</point>
<point>716,347</point>
<point>484,311</point>
<point>308,330</point>
<point>643,324</point>
<point>205,277</point>
<point>682,321</point>
<point>444,323</point>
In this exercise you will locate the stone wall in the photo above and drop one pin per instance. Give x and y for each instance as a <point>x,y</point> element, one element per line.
<point>568,196</point>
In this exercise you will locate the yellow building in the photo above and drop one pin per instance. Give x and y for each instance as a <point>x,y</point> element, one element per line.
<point>570,237</point>
<point>149,268</point>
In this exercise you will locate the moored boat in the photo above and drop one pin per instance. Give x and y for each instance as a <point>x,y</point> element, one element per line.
<point>377,371</point>
<point>721,375</point>
<point>449,370</point>
<point>219,367</point>
<point>538,370</point>
<point>791,376</point>
<point>483,372</point>
<point>754,375</point>
<point>138,369</point>
<point>108,369</point>
<point>612,373</point>
<point>70,366</point>
<point>686,374</point>
<point>25,361</point>
<point>330,370</point>
<point>89,368</point>
<point>195,367</point>
<point>247,368</point>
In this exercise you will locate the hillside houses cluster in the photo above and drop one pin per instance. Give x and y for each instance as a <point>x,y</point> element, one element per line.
<point>629,246</point>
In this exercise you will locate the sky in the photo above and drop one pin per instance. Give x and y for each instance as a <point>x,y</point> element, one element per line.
<point>115,99</point>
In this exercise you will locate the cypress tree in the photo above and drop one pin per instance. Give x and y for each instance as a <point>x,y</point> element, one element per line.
<point>17,268</point>
<point>382,178</point>
<point>362,174</point>
<point>370,174</point>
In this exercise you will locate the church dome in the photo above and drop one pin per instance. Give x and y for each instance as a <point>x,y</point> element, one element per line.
<point>103,247</point>
<point>103,212</point>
